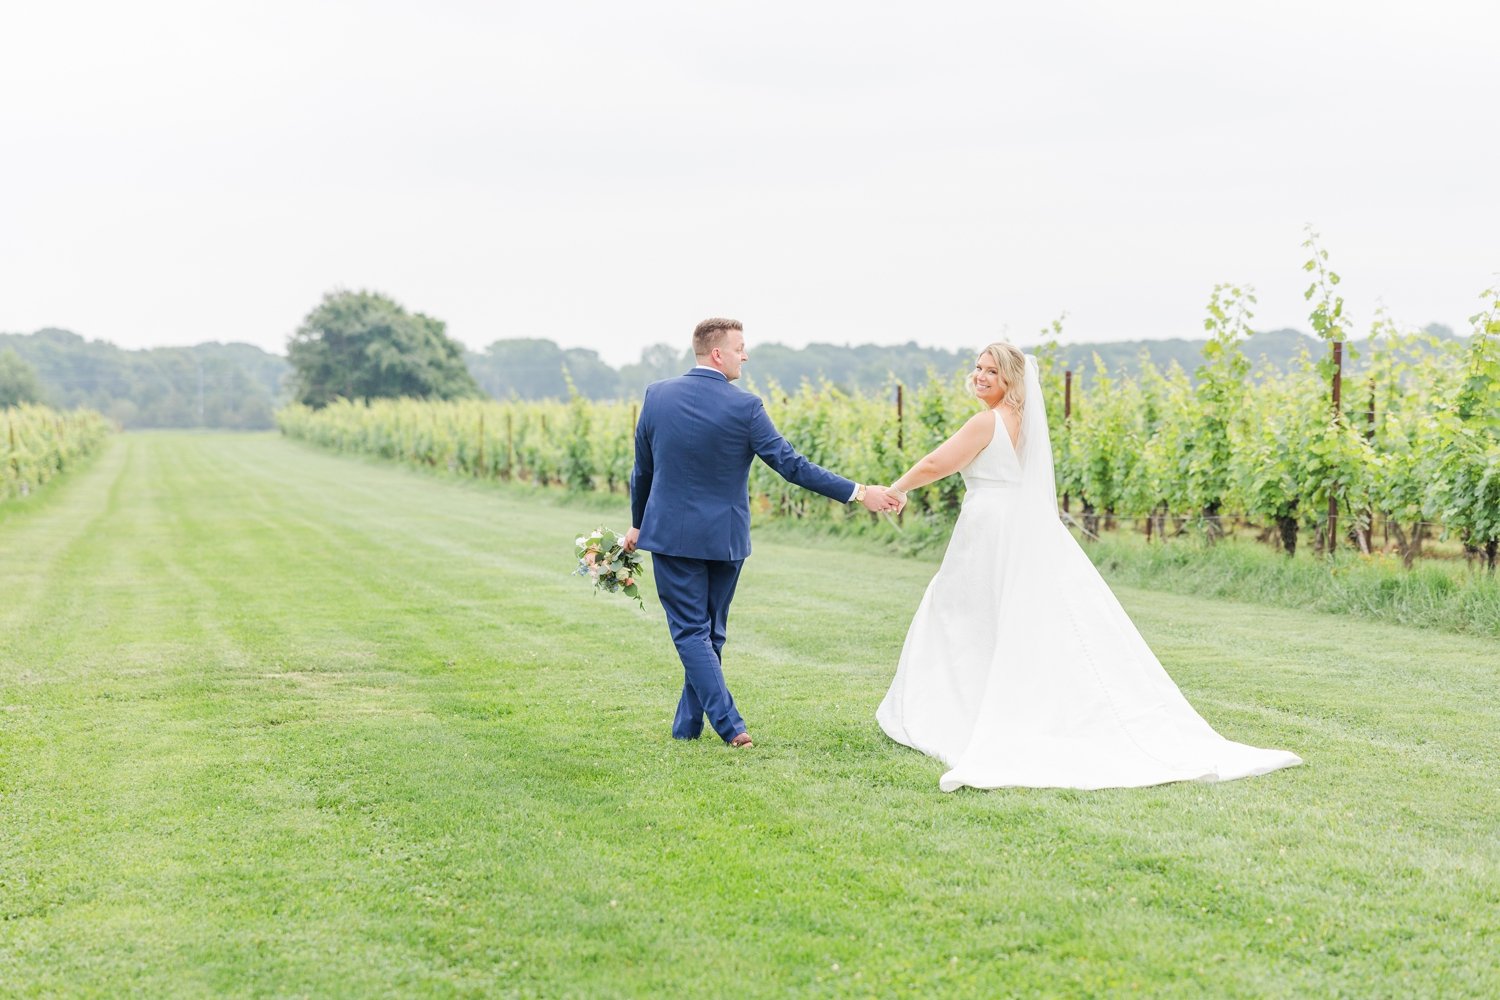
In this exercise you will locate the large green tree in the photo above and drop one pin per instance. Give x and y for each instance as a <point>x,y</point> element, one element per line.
<point>364,345</point>
<point>17,380</point>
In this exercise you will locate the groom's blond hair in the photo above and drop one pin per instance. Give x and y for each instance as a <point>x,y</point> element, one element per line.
<point>1012,364</point>
<point>711,333</point>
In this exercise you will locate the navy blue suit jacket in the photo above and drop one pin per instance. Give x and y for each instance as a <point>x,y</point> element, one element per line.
<point>694,442</point>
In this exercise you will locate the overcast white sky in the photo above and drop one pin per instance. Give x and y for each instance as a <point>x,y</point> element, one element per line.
<point>607,174</point>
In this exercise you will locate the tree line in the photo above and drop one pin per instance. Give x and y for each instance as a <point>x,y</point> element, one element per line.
<point>233,386</point>
<point>365,345</point>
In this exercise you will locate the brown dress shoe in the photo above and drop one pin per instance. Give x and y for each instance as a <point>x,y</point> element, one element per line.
<point>742,740</point>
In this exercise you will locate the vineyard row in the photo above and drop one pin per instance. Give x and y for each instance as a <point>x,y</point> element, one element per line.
<point>1416,443</point>
<point>38,443</point>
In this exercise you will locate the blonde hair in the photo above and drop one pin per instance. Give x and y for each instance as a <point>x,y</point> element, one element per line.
<point>1012,364</point>
<point>711,333</point>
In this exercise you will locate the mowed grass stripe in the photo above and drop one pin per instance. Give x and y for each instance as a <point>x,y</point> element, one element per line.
<point>281,723</point>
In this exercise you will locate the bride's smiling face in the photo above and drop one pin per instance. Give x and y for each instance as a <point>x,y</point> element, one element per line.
<point>989,385</point>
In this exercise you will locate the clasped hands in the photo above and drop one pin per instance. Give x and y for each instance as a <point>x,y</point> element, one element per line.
<point>877,500</point>
<point>883,500</point>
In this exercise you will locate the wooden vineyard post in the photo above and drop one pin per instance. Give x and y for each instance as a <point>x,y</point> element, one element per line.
<point>1333,500</point>
<point>1367,533</point>
<point>1067,414</point>
<point>900,437</point>
<point>900,420</point>
<point>510,446</point>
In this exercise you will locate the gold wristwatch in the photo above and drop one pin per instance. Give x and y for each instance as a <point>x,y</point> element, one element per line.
<point>859,493</point>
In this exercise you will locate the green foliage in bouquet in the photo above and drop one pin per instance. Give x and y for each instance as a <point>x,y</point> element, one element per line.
<point>603,559</point>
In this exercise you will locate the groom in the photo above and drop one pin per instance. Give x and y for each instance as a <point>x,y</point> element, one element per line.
<point>690,508</point>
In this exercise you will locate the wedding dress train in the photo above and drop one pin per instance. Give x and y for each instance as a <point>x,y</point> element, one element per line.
<point>1020,667</point>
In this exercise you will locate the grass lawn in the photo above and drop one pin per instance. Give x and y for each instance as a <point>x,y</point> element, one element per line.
<point>276,723</point>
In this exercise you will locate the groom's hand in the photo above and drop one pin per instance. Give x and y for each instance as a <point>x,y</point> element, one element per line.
<point>878,499</point>
<point>630,537</point>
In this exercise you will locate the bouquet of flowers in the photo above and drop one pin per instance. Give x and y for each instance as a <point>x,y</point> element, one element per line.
<point>603,559</point>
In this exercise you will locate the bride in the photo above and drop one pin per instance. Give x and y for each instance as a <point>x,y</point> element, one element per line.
<point>1020,667</point>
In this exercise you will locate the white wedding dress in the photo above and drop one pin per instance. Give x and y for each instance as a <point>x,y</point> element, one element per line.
<point>1020,667</point>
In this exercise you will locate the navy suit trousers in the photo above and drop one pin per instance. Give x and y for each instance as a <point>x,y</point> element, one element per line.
<point>695,594</point>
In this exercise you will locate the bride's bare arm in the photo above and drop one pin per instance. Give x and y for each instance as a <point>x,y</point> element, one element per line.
<point>952,455</point>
